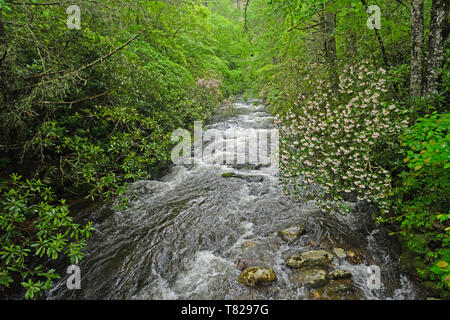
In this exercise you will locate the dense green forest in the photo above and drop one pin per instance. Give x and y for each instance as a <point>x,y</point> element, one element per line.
<point>360,96</point>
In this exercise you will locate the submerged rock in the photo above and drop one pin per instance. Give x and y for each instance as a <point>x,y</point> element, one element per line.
<point>310,278</point>
<point>343,289</point>
<point>248,178</point>
<point>292,233</point>
<point>340,274</point>
<point>309,259</point>
<point>255,276</point>
<point>249,166</point>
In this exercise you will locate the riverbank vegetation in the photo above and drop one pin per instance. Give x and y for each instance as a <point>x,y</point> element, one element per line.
<point>85,111</point>
<point>361,96</point>
<point>361,100</point>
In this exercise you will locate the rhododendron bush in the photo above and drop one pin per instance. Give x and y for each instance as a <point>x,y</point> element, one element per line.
<point>329,135</point>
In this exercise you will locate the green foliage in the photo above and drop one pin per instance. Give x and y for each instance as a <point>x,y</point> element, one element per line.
<point>422,193</point>
<point>428,142</point>
<point>292,56</point>
<point>88,111</point>
<point>34,226</point>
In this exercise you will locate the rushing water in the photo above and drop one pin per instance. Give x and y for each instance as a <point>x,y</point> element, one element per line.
<point>182,236</point>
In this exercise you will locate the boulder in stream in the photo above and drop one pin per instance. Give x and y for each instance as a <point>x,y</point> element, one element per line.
<point>248,178</point>
<point>257,276</point>
<point>310,277</point>
<point>340,253</point>
<point>292,233</point>
<point>310,259</point>
<point>340,274</point>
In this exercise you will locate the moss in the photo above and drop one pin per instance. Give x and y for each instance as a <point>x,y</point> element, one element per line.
<point>309,259</point>
<point>255,276</point>
<point>227,175</point>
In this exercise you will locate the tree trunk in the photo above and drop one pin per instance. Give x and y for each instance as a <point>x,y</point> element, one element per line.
<point>416,48</point>
<point>436,44</point>
<point>330,45</point>
<point>330,19</point>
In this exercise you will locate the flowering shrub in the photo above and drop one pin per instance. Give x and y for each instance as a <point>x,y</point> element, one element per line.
<point>329,135</point>
<point>211,85</point>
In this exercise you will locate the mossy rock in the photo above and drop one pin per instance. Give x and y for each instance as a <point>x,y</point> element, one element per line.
<point>310,278</point>
<point>309,259</point>
<point>292,233</point>
<point>340,274</point>
<point>340,253</point>
<point>257,276</point>
<point>228,175</point>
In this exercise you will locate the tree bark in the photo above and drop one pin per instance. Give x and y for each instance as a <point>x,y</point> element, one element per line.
<point>436,44</point>
<point>330,19</point>
<point>330,45</point>
<point>416,48</point>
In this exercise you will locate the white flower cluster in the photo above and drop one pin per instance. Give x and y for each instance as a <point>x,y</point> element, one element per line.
<point>329,139</point>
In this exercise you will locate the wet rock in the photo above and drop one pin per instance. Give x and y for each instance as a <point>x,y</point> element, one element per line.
<point>340,253</point>
<point>310,259</point>
<point>248,178</point>
<point>292,233</point>
<point>340,274</point>
<point>310,278</point>
<point>247,166</point>
<point>343,289</point>
<point>353,257</point>
<point>102,214</point>
<point>255,276</point>
<point>253,178</point>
